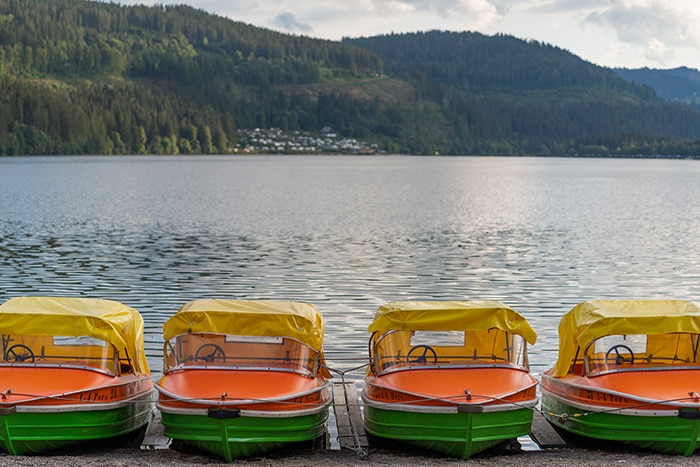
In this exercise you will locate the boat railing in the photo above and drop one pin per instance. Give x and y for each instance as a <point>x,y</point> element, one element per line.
<point>244,367</point>
<point>247,361</point>
<point>77,365</point>
<point>446,348</point>
<point>447,362</point>
<point>639,352</point>
<point>62,352</point>
<point>211,350</point>
<point>597,365</point>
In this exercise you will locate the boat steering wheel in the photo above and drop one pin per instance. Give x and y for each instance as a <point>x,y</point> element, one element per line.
<point>210,356</point>
<point>423,357</point>
<point>618,359</point>
<point>19,353</point>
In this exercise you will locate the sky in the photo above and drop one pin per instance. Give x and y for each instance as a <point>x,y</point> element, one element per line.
<point>612,33</point>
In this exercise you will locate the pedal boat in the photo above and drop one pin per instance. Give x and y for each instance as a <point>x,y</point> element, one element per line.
<point>628,371</point>
<point>73,370</point>
<point>243,377</point>
<point>451,377</point>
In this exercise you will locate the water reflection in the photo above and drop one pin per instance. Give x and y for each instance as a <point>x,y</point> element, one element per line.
<point>349,234</point>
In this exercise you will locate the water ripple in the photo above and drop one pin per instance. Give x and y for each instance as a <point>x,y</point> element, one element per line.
<point>349,234</point>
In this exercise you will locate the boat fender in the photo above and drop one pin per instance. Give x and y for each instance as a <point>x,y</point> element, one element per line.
<point>689,414</point>
<point>223,414</point>
<point>470,408</point>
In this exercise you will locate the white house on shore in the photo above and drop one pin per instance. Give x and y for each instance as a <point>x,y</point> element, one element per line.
<point>328,132</point>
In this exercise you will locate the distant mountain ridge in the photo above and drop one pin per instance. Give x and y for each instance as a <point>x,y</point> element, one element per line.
<point>543,97</point>
<point>479,63</point>
<point>87,77</point>
<point>680,84</point>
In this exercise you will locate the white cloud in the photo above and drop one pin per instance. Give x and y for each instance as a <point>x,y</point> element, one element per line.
<point>660,29</point>
<point>476,12</point>
<point>559,7</point>
<point>288,22</point>
<point>629,33</point>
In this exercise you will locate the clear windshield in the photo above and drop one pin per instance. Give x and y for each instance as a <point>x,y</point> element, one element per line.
<point>73,351</point>
<point>209,350</point>
<point>401,349</point>
<point>631,352</point>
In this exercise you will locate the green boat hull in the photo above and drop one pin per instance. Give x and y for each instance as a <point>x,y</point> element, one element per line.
<point>23,433</point>
<point>664,434</point>
<point>455,434</point>
<point>244,436</point>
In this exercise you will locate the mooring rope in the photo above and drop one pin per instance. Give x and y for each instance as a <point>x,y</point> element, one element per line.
<point>7,393</point>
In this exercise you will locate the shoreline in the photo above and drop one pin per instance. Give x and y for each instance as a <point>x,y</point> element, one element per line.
<point>397,455</point>
<point>156,450</point>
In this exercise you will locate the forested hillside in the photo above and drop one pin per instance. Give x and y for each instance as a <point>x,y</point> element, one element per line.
<point>502,94</point>
<point>678,84</point>
<point>90,77</point>
<point>85,77</point>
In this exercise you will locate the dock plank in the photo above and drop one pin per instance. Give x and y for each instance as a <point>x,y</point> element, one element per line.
<point>348,416</point>
<point>544,434</point>
<point>155,437</point>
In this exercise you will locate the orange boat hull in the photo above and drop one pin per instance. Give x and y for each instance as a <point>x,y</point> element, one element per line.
<point>237,414</point>
<point>455,411</point>
<point>48,386</point>
<point>657,410</point>
<point>453,386</point>
<point>46,408</point>
<point>251,390</point>
<point>633,390</point>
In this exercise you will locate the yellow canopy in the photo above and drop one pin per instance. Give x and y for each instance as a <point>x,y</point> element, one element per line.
<point>591,320</point>
<point>451,316</point>
<point>107,320</point>
<point>300,321</point>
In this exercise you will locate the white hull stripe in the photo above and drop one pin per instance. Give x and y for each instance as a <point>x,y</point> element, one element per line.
<point>245,413</point>
<point>639,400</point>
<point>452,399</point>
<point>607,409</point>
<point>236,402</point>
<point>86,407</point>
<point>407,407</point>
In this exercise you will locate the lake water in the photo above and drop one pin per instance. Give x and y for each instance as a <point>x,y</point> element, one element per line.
<point>349,234</point>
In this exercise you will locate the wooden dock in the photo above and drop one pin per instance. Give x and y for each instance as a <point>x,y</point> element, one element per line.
<point>544,434</point>
<point>348,417</point>
<point>155,438</point>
